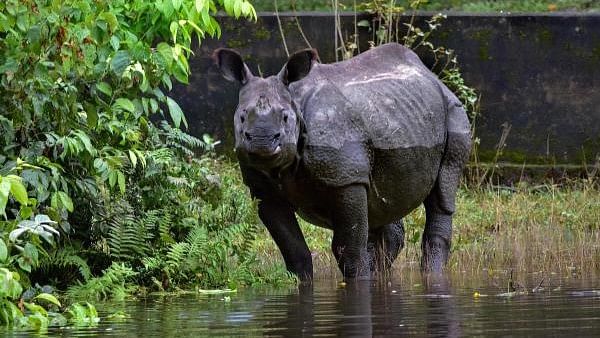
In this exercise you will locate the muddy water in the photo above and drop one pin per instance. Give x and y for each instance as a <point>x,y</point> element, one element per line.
<point>414,306</point>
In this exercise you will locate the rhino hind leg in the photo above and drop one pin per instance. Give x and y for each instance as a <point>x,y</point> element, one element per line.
<point>384,245</point>
<point>440,204</point>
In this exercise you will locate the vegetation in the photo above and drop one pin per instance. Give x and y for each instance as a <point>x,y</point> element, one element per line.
<point>99,186</point>
<point>551,228</point>
<point>439,5</point>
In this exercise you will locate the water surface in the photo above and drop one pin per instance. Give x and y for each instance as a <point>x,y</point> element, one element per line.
<point>414,306</point>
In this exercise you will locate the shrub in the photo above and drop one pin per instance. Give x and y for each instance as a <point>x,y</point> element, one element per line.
<point>95,172</point>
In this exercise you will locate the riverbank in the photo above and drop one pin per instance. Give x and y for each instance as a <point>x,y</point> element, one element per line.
<point>549,228</point>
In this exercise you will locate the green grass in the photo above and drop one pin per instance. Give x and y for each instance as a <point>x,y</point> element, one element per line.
<point>550,228</point>
<point>453,5</point>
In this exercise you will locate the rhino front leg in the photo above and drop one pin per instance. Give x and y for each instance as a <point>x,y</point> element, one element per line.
<point>280,220</point>
<point>351,231</point>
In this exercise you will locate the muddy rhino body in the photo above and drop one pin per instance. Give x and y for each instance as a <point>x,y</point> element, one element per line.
<point>352,146</point>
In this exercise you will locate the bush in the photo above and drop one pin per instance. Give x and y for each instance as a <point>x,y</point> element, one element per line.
<point>95,173</point>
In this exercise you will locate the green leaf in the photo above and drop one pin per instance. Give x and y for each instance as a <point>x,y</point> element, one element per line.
<point>3,251</point>
<point>228,4</point>
<point>176,113</point>
<point>199,5</point>
<point>92,115</point>
<point>104,88</point>
<point>4,190</point>
<point>54,201</point>
<point>180,74</point>
<point>10,65</point>
<point>121,181</point>
<point>166,52</point>
<point>81,34</point>
<point>120,61</point>
<point>4,317</point>
<point>65,200</point>
<point>115,42</point>
<point>22,22</point>
<point>177,4</point>
<point>17,189</point>
<point>34,33</point>
<point>133,158</point>
<point>153,105</point>
<point>24,264</point>
<point>49,298</point>
<point>111,19</point>
<point>87,143</point>
<point>237,8</point>
<point>166,80</point>
<point>31,252</point>
<point>174,28</point>
<point>25,212</point>
<point>112,178</point>
<point>34,308</point>
<point>124,104</point>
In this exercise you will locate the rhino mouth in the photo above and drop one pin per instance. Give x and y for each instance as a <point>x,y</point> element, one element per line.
<point>265,153</point>
<point>266,158</point>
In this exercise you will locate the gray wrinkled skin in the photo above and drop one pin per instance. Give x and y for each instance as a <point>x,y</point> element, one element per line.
<point>354,147</point>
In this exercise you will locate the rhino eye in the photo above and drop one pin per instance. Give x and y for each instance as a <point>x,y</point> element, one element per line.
<point>285,118</point>
<point>242,119</point>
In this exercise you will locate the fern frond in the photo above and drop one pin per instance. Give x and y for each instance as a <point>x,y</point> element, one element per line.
<point>197,240</point>
<point>126,237</point>
<point>164,229</point>
<point>181,182</point>
<point>176,254</point>
<point>63,260</point>
<point>112,284</point>
<point>128,240</point>
<point>161,156</point>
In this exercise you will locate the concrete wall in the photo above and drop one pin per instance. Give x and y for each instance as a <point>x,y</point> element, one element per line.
<point>540,74</point>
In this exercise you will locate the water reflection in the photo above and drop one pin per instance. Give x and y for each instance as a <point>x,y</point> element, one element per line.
<point>442,314</point>
<point>369,308</point>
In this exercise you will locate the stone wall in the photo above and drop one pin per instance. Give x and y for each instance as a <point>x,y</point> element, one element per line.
<point>538,74</point>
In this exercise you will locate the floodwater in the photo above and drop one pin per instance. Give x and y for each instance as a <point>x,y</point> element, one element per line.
<point>413,306</point>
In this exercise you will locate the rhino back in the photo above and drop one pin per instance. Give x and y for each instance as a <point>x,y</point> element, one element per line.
<point>384,97</point>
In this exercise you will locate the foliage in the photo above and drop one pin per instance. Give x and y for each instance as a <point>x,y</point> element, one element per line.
<point>20,253</point>
<point>99,186</point>
<point>217,249</point>
<point>83,314</point>
<point>114,283</point>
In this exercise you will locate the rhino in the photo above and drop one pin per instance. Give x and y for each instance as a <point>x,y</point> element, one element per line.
<point>352,146</point>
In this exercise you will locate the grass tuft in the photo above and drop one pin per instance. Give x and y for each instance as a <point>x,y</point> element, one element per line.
<point>546,228</point>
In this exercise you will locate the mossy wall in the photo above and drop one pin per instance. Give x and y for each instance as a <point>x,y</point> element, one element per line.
<point>540,74</point>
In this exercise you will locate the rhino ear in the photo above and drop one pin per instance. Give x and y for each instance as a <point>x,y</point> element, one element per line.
<point>298,66</point>
<point>231,65</point>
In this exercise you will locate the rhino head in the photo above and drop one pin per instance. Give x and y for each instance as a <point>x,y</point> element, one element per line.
<point>267,121</point>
